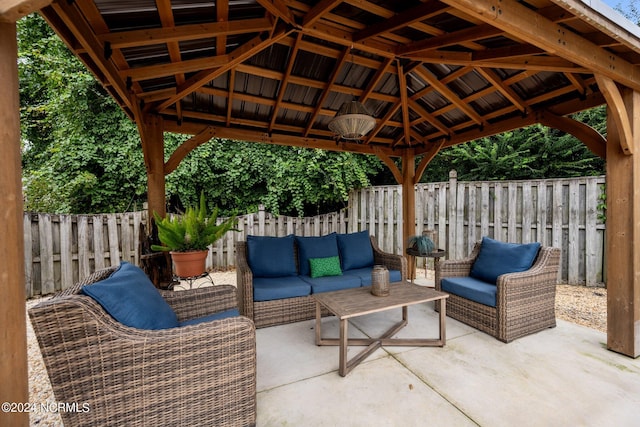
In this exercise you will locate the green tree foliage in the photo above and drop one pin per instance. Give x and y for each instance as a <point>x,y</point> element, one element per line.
<point>286,180</point>
<point>530,153</point>
<point>80,152</point>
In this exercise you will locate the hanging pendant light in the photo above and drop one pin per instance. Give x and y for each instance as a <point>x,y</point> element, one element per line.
<point>352,121</point>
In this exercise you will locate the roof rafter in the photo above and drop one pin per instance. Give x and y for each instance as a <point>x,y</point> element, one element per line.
<point>408,17</point>
<point>167,34</point>
<point>517,19</point>
<point>237,56</point>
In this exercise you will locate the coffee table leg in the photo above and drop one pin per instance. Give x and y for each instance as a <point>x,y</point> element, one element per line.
<point>318,324</point>
<point>443,324</point>
<point>344,323</point>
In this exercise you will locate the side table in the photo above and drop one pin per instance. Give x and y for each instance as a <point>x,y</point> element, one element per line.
<point>435,254</point>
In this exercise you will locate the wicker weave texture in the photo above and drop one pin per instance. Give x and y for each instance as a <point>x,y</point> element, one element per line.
<point>201,375</point>
<point>525,302</point>
<point>289,310</point>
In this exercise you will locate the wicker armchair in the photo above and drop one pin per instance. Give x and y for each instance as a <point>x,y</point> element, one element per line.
<point>525,301</point>
<point>203,374</point>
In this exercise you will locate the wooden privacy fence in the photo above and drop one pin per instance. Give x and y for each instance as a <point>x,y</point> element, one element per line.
<point>565,213</point>
<point>60,249</point>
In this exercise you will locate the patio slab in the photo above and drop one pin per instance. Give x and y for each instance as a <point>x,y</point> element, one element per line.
<point>561,376</point>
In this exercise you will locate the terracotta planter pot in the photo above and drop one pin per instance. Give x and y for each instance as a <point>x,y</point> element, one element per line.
<point>189,264</point>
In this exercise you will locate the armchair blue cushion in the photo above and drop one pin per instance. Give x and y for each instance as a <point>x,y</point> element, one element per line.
<point>271,256</point>
<point>129,297</point>
<point>355,250</point>
<point>497,258</point>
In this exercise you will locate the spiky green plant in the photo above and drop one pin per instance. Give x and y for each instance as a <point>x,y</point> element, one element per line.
<point>194,230</point>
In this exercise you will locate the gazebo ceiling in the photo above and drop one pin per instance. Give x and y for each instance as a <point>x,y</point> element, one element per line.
<point>432,73</point>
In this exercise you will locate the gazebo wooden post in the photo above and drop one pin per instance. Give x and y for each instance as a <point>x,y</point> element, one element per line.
<point>408,204</point>
<point>153,147</point>
<point>14,386</point>
<point>623,225</point>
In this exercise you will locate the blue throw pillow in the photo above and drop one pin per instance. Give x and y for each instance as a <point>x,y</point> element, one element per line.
<point>355,250</point>
<point>497,258</point>
<point>315,247</point>
<point>129,297</point>
<point>271,256</point>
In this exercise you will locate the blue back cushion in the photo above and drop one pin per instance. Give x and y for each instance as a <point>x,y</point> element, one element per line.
<point>355,250</point>
<point>129,297</point>
<point>271,256</point>
<point>315,247</point>
<point>498,258</point>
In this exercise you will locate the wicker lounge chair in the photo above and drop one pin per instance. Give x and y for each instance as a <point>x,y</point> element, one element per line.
<point>203,374</point>
<point>525,301</point>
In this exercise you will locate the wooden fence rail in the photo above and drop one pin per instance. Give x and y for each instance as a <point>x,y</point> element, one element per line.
<point>60,249</point>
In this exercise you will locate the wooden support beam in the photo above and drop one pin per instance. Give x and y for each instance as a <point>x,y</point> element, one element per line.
<point>12,10</point>
<point>279,9</point>
<point>623,232</point>
<point>13,330</point>
<point>318,11</point>
<point>151,36</point>
<point>188,146</point>
<point>387,160</point>
<point>418,13</point>
<point>426,159</point>
<point>619,111</point>
<point>408,197</point>
<point>520,21</point>
<point>404,100</point>
<point>586,134</point>
<point>153,147</point>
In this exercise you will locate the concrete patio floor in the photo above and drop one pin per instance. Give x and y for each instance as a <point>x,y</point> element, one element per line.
<point>563,376</point>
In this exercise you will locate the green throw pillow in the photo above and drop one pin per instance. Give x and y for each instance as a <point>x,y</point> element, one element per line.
<point>329,266</point>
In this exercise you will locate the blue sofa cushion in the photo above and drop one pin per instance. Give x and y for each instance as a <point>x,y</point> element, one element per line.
<point>271,256</point>
<point>315,247</point>
<point>332,283</point>
<point>365,275</point>
<point>130,298</point>
<point>355,250</point>
<point>471,289</point>
<point>328,266</point>
<point>272,288</point>
<point>497,258</point>
<point>215,316</point>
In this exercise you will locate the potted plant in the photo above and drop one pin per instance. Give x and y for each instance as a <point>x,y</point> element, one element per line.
<point>422,244</point>
<point>187,237</point>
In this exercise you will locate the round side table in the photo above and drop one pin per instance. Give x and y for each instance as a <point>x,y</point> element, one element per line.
<point>435,254</point>
<point>190,280</point>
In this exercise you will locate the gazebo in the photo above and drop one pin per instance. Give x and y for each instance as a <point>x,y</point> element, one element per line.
<point>418,76</point>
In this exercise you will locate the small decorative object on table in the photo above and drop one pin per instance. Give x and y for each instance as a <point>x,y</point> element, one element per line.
<point>380,281</point>
<point>423,244</point>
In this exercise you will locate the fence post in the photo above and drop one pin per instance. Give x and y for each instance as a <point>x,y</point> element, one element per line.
<point>452,203</point>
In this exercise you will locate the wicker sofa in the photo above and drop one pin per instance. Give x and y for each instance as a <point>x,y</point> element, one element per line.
<point>202,374</point>
<point>275,309</point>
<point>521,303</point>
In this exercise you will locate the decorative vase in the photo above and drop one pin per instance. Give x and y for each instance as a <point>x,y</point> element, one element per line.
<point>189,264</point>
<point>380,281</point>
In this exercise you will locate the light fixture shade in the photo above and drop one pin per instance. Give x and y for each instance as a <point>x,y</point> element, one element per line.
<point>352,121</point>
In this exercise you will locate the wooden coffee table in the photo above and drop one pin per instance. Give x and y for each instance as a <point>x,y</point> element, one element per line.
<point>349,303</point>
